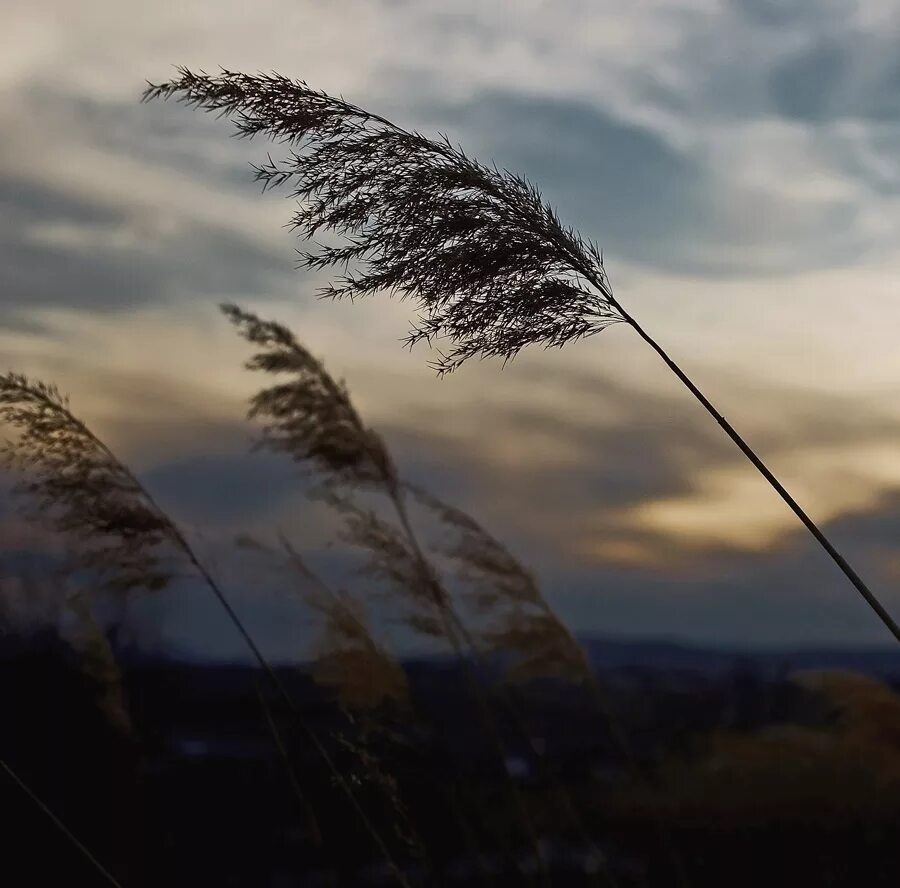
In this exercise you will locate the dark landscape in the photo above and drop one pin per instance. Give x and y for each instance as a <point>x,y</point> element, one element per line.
<point>197,795</point>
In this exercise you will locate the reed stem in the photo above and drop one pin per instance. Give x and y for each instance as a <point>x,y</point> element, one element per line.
<point>764,470</point>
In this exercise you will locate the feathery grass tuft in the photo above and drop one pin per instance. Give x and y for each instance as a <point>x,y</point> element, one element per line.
<point>486,259</point>
<point>311,417</point>
<point>76,482</point>
<point>72,480</point>
<point>520,620</point>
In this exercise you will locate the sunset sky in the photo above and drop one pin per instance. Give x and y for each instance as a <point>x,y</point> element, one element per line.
<point>739,164</point>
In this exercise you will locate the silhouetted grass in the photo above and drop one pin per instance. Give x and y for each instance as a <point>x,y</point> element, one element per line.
<point>487,261</point>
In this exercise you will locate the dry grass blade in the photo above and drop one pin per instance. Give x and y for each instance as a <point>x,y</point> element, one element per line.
<point>396,558</point>
<point>394,555</point>
<point>486,259</point>
<point>311,418</point>
<point>85,852</point>
<point>348,658</point>
<point>368,682</point>
<point>392,559</point>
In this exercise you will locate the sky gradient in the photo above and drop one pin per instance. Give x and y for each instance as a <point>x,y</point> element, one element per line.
<point>737,161</point>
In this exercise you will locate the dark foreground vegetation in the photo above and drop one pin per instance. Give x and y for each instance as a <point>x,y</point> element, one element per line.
<point>744,771</point>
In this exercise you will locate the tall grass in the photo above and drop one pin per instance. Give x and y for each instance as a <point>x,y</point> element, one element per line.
<point>74,481</point>
<point>122,540</point>
<point>488,263</point>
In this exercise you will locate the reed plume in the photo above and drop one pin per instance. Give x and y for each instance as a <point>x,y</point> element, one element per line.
<point>502,590</point>
<point>99,664</point>
<point>74,481</point>
<point>71,479</point>
<point>347,657</point>
<point>488,262</point>
<point>368,683</point>
<point>311,418</point>
<point>521,620</point>
<point>304,417</point>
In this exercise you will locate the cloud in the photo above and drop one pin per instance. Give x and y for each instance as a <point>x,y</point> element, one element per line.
<point>804,86</point>
<point>781,13</point>
<point>561,476</point>
<point>607,474</point>
<point>58,250</point>
<point>622,183</point>
<point>842,76</point>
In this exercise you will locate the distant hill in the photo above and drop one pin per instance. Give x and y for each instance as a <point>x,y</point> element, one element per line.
<point>617,654</point>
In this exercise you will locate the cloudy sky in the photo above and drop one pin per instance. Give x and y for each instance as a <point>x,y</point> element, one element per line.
<point>739,163</point>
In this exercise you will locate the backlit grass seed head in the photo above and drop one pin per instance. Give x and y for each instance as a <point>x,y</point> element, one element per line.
<point>501,590</point>
<point>310,416</point>
<point>73,482</point>
<point>348,658</point>
<point>312,419</point>
<point>391,560</point>
<point>486,260</point>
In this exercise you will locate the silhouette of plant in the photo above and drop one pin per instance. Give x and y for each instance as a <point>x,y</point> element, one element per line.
<point>520,620</point>
<point>348,658</point>
<point>99,663</point>
<point>71,479</point>
<point>77,484</point>
<point>487,261</point>
<point>311,418</point>
<point>486,258</point>
<point>302,422</point>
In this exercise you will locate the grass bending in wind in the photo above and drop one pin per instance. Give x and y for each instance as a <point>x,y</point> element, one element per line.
<point>488,263</point>
<point>76,483</point>
<point>310,417</point>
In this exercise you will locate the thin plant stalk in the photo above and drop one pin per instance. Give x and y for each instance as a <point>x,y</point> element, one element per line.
<point>485,561</point>
<point>346,624</point>
<point>491,267</point>
<point>281,748</point>
<point>312,419</point>
<point>60,825</point>
<point>460,639</point>
<point>457,626</point>
<point>868,596</point>
<point>53,438</point>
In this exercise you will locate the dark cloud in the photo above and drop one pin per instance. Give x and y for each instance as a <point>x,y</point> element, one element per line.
<point>652,448</point>
<point>644,201</point>
<point>619,183</point>
<point>29,202</point>
<point>161,134</point>
<point>840,76</point>
<point>778,13</point>
<point>648,451</point>
<point>221,489</point>
<point>787,594</point>
<point>39,267</point>
<point>792,595</point>
<point>804,86</point>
